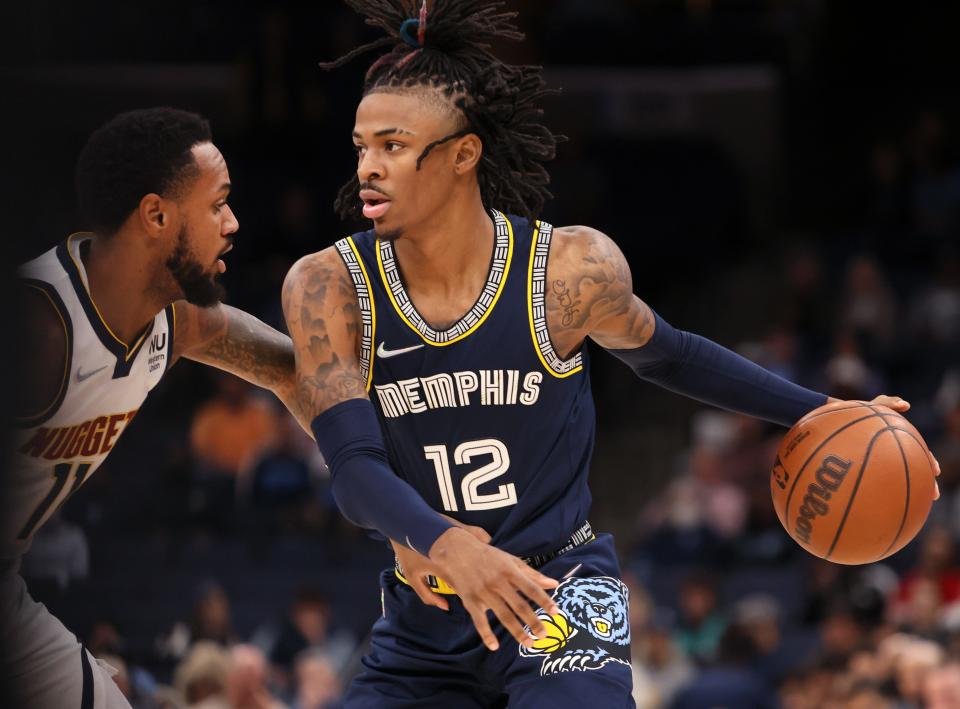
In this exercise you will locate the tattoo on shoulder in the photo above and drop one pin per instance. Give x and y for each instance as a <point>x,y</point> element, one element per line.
<point>596,284</point>
<point>592,285</point>
<point>321,310</point>
<point>567,302</point>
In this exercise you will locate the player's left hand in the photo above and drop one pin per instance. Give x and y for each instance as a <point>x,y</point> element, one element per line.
<point>892,402</point>
<point>901,406</point>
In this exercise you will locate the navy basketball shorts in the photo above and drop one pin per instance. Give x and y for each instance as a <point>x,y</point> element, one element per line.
<point>421,656</point>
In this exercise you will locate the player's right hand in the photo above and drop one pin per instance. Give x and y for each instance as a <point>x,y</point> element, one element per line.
<point>487,578</point>
<point>416,567</point>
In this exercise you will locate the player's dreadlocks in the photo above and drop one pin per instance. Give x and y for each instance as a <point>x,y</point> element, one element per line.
<point>447,46</point>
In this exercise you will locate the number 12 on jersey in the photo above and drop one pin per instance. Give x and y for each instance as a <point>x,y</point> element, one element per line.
<point>464,453</point>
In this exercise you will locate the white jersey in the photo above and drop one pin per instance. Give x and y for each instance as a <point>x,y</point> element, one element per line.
<point>104,384</point>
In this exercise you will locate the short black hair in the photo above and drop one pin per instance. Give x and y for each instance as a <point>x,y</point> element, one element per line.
<point>499,101</point>
<point>135,154</point>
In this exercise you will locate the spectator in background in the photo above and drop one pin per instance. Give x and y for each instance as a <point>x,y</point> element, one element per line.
<point>701,623</point>
<point>246,680</point>
<point>946,512</point>
<point>868,307</point>
<point>847,374</point>
<point>201,678</point>
<point>304,628</point>
<point>209,621</point>
<point>916,660</point>
<point>779,352</point>
<point>935,316</point>
<point>280,483</point>
<point>659,668</point>
<point>841,634</point>
<point>941,687</point>
<point>777,653</point>
<point>731,681</point>
<point>680,534</point>
<point>807,307</point>
<point>317,684</point>
<point>104,638</point>
<point>935,573</point>
<point>867,696</point>
<point>231,431</point>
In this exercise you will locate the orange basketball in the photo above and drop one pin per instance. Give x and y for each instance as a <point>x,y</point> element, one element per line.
<point>853,482</point>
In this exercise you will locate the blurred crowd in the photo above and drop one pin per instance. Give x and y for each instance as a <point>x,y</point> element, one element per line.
<point>727,610</point>
<point>206,560</point>
<point>291,662</point>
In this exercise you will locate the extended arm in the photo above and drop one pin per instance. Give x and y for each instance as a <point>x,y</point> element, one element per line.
<point>600,304</point>
<point>237,342</point>
<point>324,321</point>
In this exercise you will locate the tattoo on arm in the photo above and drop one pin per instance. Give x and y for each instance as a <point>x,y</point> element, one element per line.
<point>567,302</point>
<point>242,344</point>
<point>592,295</point>
<point>239,343</point>
<point>323,317</point>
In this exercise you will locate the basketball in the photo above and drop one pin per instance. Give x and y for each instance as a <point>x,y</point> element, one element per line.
<point>853,482</point>
<point>558,631</point>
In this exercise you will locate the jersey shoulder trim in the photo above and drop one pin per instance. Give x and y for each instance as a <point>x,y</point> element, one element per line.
<point>368,310</point>
<point>64,317</point>
<point>125,354</point>
<point>171,333</point>
<point>537,306</point>
<point>493,288</point>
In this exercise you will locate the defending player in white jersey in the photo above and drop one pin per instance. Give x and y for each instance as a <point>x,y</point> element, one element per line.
<point>104,316</point>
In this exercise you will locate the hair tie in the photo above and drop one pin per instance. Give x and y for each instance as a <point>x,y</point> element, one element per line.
<point>405,33</point>
<point>421,25</point>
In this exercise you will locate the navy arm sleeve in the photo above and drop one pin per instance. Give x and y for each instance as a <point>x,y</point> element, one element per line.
<point>701,369</point>
<point>367,491</point>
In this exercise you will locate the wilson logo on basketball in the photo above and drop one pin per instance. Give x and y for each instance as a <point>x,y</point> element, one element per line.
<point>828,479</point>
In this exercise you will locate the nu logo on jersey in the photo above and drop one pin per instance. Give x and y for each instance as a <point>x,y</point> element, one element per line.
<point>88,439</point>
<point>488,387</point>
<point>158,356</point>
<point>591,629</point>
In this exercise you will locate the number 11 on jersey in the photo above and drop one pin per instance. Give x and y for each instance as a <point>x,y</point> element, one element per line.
<point>463,454</point>
<point>61,473</point>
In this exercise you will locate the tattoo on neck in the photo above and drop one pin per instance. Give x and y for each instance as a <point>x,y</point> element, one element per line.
<point>570,306</point>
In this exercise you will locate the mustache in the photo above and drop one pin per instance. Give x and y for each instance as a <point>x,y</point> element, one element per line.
<point>373,187</point>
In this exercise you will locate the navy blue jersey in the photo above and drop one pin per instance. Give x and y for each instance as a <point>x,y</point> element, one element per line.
<point>484,419</point>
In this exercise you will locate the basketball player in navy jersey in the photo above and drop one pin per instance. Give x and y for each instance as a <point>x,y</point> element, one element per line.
<point>443,356</point>
<point>104,315</point>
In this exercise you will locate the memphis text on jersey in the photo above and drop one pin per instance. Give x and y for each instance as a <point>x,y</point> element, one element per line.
<point>85,440</point>
<point>484,387</point>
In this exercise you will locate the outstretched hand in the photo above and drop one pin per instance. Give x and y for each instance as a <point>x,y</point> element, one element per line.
<point>901,406</point>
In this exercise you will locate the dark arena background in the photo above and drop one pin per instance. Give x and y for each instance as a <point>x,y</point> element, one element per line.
<point>784,178</point>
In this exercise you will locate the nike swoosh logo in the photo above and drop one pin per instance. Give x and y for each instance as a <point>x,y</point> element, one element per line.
<point>385,353</point>
<point>82,376</point>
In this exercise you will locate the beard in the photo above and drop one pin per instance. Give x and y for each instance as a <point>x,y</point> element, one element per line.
<point>198,285</point>
<point>389,235</point>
